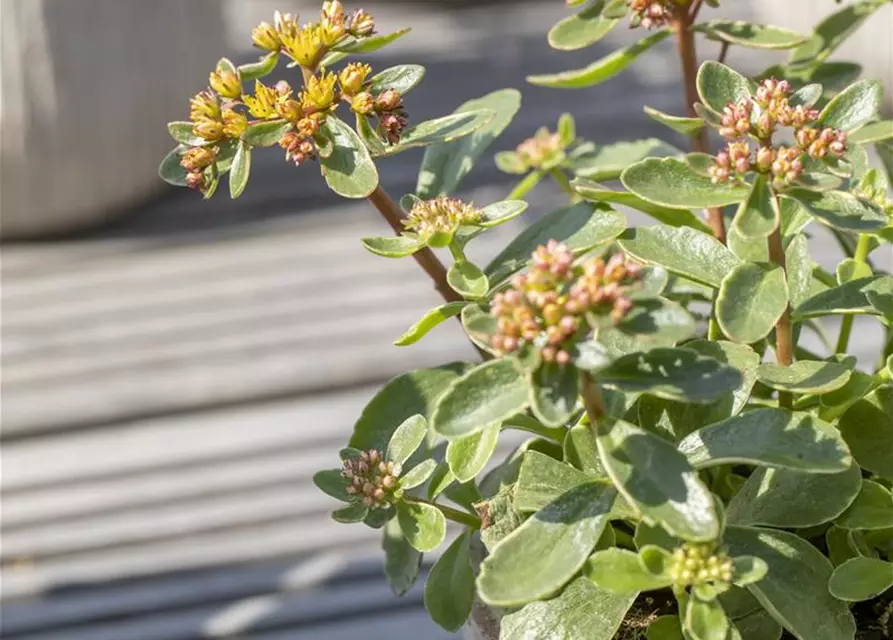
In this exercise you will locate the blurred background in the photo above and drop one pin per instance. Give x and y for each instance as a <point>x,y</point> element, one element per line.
<point>174,371</point>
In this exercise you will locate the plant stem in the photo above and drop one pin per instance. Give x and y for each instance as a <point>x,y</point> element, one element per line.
<point>564,183</point>
<point>426,258</point>
<point>527,183</point>
<point>685,41</point>
<point>723,53</point>
<point>863,248</point>
<point>449,513</point>
<point>713,330</point>
<point>784,337</point>
<point>592,400</point>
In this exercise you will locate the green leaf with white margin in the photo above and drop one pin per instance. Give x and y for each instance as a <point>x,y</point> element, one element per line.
<point>583,29</point>
<point>449,589</point>
<point>368,45</point>
<point>553,393</point>
<point>673,374</point>
<point>418,475</point>
<point>795,589</point>
<point>348,170</point>
<point>393,246</point>
<point>669,216</point>
<point>849,298</point>
<point>479,325</point>
<point>600,70</point>
<point>861,579</point>
<point>423,525</point>
<point>411,393</point>
<point>402,562</point>
<point>718,85</point>
<point>545,552</point>
<point>241,169</point>
<point>542,479</point>
<point>170,169</point>
<point>467,279</point>
<point>674,183</point>
<point>486,395</point>
<point>793,499</point>
<point>402,78</point>
<point>750,301</point>
<point>853,107</point>
<point>683,251</point>
<point>582,610</point>
<point>446,164</point>
<point>259,69</point>
<point>581,450</point>
<point>608,161</point>
<point>658,320</point>
<point>182,133</point>
<point>874,132</point>
<point>705,620</point>
<point>679,124</point>
<point>408,437</point>
<point>754,36</point>
<point>265,134</point>
<point>619,570</point>
<point>867,427</point>
<point>332,483</point>
<point>759,215</point>
<point>841,210</point>
<point>769,437</point>
<point>872,509</point>
<point>652,475</point>
<point>580,226</point>
<point>467,456</point>
<point>831,32</point>
<point>501,212</point>
<point>804,376</point>
<point>434,317</point>
<point>350,514</point>
<point>444,129</point>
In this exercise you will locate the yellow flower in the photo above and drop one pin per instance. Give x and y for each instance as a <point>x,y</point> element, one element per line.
<point>353,76</point>
<point>210,130</point>
<point>266,37</point>
<point>289,109</point>
<point>234,123</point>
<point>226,83</point>
<point>263,103</point>
<point>204,106</point>
<point>332,23</point>
<point>319,92</point>
<point>362,103</point>
<point>303,44</point>
<point>361,24</point>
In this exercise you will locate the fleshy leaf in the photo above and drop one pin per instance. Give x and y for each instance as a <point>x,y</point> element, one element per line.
<point>751,299</point>
<point>705,620</point>
<point>265,134</point>
<point>831,32</point>
<point>683,251</point>
<point>872,508</point>
<point>348,170</point>
<point>804,376</point>
<point>332,484</point>
<point>407,438</point>
<point>182,133</point>
<point>755,36</point>
<point>486,395</point>
<point>867,427</point>
<point>600,70</point>
<point>423,525</point>
<point>449,589</point>
<point>788,498</point>
<point>368,45</point>
<point>500,212</point>
<point>795,589</point>
<point>238,175</point>
<point>553,392</point>
<point>718,85</point>
<point>170,169</point>
<point>446,164</point>
<point>770,437</point>
<point>581,226</point>
<point>608,161</point>
<point>658,481</point>
<point>841,210</point>
<point>259,69</point>
<point>849,298</point>
<point>350,514</point>
<point>658,320</point>
<point>402,78</point>
<point>393,246</point>
<point>874,132</point>
<point>861,579</point>
<point>673,183</point>
<point>679,124</point>
<point>402,562</point>
<point>467,279</point>
<point>852,107</point>
<point>419,474</point>
<point>759,215</point>
<point>672,373</point>
<point>583,29</point>
<point>430,320</point>
<point>445,129</point>
<point>542,479</point>
<point>468,455</point>
<point>545,552</point>
<point>619,570</point>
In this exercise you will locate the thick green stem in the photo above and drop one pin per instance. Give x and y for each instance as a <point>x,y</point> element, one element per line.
<point>460,517</point>
<point>527,183</point>
<point>863,248</point>
<point>784,335</point>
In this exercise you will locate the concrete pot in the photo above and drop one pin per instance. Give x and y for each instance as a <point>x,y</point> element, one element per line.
<point>87,88</point>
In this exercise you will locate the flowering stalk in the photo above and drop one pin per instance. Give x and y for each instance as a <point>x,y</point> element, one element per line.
<point>863,248</point>
<point>784,338</point>
<point>459,517</point>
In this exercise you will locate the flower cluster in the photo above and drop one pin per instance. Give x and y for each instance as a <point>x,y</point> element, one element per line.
<point>650,14</point>
<point>550,307</point>
<point>696,564</point>
<point>540,150</point>
<point>440,216</point>
<point>371,480</point>
<point>759,117</point>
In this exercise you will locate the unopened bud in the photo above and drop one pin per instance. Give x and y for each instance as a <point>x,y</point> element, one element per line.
<point>226,83</point>
<point>388,100</point>
<point>234,124</point>
<point>362,103</point>
<point>353,76</point>
<point>208,129</point>
<point>266,37</point>
<point>361,24</point>
<point>197,158</point>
